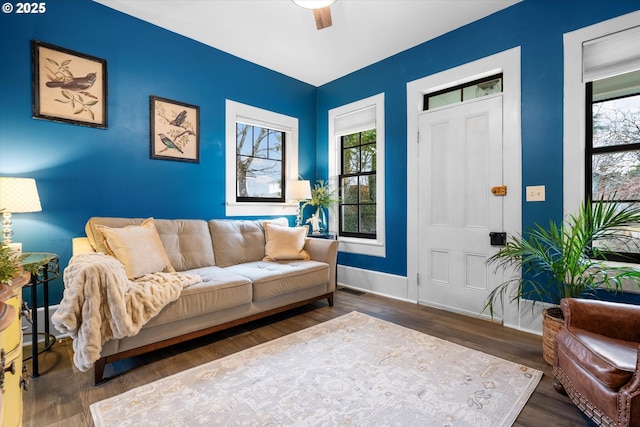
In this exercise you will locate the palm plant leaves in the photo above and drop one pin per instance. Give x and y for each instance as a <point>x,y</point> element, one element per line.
<point>567,259</point>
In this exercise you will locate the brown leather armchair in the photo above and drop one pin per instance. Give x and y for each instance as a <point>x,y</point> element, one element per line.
<point>597,360</point>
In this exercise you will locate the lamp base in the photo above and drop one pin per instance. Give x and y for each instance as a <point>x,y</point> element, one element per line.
<point>7,232</point>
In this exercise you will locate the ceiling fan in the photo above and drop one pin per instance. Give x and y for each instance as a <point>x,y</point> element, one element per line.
<point>321,11</point>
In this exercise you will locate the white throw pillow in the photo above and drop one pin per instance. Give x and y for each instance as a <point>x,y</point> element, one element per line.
<point>137,247</point>
<point>285,243</point>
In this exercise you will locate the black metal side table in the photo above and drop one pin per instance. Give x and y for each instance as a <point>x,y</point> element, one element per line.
<point>44,267</point>
<point>330,235</point>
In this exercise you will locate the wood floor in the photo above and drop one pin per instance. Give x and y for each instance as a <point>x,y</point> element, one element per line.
<point>61,395</point>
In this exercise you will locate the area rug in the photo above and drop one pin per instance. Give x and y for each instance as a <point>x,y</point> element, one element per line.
<point>352,370</point>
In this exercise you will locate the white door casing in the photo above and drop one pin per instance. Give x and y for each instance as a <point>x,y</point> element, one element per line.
<point>508,63</point>
<point>460,152</point>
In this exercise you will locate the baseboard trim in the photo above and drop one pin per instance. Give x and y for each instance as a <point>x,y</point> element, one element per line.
<point>27,326</point>
<point>374,282</point>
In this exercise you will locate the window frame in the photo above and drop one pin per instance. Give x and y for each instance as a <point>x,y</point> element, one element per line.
<point>247,114</point>
<point>372,247</point>
<point>359,174</point>
<point>283,160</point>
<point>590,151</point>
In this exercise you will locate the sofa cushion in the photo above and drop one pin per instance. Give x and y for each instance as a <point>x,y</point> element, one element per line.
<point>219,290</point>
<point>95,237</point>
<point>137,247</point>
<point>610,360</point>
<point>271,279</point>
<point>284,242</point>
<point>187,242</point>
<point>237,242</point>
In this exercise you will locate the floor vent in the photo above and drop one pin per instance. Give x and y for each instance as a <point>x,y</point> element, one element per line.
<point>351,291</point>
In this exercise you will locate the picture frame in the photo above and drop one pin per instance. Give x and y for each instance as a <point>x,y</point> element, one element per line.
<point>174,130</point>
<point>68,86</point>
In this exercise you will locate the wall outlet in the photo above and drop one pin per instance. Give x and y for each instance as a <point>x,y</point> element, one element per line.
<point>535,193</point>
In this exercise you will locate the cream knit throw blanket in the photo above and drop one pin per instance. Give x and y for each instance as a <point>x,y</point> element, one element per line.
<point>99,302</point>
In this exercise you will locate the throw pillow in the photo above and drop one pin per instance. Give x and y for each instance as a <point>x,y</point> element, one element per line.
<point>285,243</point>
<point>137,247</point>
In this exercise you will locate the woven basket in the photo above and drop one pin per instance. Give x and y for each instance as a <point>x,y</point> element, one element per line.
<point>552,321</point>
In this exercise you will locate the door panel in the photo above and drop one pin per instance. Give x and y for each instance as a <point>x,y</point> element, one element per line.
<point>460,156</point>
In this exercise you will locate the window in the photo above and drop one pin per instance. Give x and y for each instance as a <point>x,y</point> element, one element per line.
<point>259,163</point>
<point>358,185</point>
<point>261,155</point>
<point>356,168</point>
<point>612,161</point>
<point>464,92</point>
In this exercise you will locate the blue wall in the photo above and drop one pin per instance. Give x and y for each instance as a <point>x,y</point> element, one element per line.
<point>83,172</point>
<point>535,25</point>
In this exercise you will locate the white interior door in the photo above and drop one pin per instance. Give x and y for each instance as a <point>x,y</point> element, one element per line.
<point>460,161</point>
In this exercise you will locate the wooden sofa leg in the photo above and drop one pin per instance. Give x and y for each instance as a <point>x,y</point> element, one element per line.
<point>557,385</point>
<point>330,299</point>
<point>98,370</point>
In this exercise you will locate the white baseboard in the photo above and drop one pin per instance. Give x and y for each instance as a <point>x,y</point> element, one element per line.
<point>27,327</point>
<point>384,284</point>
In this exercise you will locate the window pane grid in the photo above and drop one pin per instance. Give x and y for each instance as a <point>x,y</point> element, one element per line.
<point>357,185</point>
<point>259,164</point>
<point>613,151</point>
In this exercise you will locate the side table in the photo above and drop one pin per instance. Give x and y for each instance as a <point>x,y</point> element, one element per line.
<point>330,235</point>
<point>44,267</point>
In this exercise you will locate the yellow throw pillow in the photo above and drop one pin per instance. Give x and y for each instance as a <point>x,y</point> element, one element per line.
<point>284,243</point>
<point>137,247</point>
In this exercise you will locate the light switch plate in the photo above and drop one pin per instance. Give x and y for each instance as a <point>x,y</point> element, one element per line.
<point>535,193</point>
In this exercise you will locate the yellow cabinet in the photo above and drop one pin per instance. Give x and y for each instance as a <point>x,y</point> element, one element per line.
<point>12,376</point>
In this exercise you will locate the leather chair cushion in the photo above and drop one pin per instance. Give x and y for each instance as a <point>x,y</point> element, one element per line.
<point>610,360</point>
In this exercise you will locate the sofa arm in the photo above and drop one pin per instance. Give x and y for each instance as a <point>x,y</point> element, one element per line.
<point>81,245</point>
<point>324,250</point>
<point>615,320</point>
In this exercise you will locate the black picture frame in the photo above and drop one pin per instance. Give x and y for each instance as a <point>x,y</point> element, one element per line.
<point>174,130</point>
<point>68,86</point>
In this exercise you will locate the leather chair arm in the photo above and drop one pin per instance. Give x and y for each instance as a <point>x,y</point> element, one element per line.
<point>615,320</point>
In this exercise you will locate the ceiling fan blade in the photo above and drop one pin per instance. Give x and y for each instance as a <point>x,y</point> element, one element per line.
<point>323,17</point>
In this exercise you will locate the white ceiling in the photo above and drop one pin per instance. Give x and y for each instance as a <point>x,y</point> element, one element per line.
<point>282,36</point>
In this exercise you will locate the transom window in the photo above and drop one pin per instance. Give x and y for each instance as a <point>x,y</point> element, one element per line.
<point>358,185</point>
<point>259,163</point>
<point>612,161</point>
<point>463,92</point>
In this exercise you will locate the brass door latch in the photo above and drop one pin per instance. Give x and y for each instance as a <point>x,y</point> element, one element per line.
<point>500,190</point>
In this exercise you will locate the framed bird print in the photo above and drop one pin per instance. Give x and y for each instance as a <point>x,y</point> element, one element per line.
<point>69,86</point>
<point>174,130</point>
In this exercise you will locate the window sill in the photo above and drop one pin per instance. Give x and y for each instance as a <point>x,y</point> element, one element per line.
<point>260,209</point>
<point>628,285</point>
<point>362,246</point>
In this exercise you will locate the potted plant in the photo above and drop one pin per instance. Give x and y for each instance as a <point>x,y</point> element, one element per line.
<point>10,265</point>
<point>322,197</point>
<point>566,260</point>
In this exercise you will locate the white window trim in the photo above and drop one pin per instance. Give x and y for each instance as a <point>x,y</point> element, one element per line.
<point>574,111</point>
<point>372,247</point>
<point>574,105</point>
<point>235,112</point>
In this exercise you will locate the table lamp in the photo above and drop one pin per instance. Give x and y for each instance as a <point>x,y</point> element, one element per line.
<point>17,195</point>
<point>299,191</point>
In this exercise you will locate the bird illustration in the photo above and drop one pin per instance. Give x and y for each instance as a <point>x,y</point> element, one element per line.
<point>169,143</point>
<point>179,119</point>
<point>76,83</point>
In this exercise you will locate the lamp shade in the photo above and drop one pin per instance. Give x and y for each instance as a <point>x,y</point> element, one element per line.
<point>299,190</point>
<point>314,4</point>
<point>19,195</point>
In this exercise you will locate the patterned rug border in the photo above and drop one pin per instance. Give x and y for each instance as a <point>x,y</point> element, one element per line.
<point>303,337</point>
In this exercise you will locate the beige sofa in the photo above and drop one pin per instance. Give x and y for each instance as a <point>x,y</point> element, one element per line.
<point>237,285</point>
